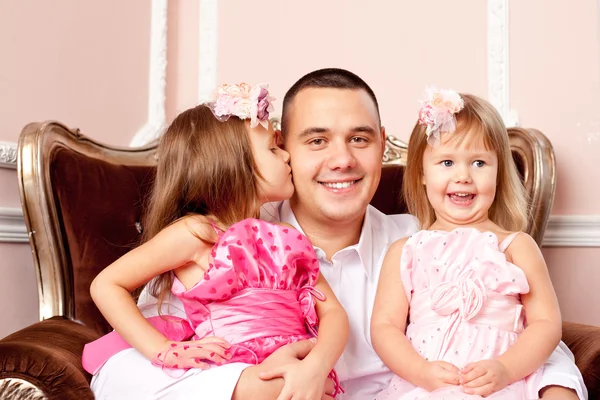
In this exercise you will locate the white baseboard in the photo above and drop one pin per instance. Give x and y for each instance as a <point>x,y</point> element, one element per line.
<point>12,226</point>
<point>562,230</point>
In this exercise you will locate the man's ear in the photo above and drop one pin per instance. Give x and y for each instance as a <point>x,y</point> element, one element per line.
<point>383,137</point>
<point>279,139</point>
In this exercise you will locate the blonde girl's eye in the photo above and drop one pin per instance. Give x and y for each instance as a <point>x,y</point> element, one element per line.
<point>447,163</point>
<point>478,163</point>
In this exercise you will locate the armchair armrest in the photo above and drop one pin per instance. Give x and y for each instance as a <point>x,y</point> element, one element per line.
<point>47,355</point>
<point>584,342</point>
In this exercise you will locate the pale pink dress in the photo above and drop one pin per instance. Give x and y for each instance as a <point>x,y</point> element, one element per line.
<point>465,306</point>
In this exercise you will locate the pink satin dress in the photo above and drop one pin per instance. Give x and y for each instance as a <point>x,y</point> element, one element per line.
<point>258,294</point>
<point>465,307</point>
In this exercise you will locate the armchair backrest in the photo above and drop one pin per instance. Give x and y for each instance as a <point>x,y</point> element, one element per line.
<point>82,203</point>
<point>83,200</point>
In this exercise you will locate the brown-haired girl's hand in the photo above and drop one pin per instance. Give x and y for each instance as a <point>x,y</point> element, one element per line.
<point>193,354</point>
<point>437,374</point>
<point>484,377</point>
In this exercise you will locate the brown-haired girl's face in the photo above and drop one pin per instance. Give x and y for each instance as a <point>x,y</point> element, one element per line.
<point>273,164</point>
<point>460,179</point>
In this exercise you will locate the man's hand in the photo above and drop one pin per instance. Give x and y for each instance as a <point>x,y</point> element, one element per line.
<point>251,386</point>
<point>302,380</point>
<point>484,377</point>
<point>437,374</point>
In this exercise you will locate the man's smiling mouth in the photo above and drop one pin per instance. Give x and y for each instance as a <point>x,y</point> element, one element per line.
<point>339,185</point>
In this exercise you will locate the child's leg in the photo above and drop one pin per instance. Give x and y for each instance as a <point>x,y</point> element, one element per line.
<point>558,392</point>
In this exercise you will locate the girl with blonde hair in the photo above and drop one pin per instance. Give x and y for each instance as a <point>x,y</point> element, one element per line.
<point>482,314</point>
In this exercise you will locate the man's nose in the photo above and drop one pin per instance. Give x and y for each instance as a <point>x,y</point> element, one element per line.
<point>341,156</point>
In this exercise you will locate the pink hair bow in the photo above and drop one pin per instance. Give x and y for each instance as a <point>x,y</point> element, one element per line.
<point>437,112</point>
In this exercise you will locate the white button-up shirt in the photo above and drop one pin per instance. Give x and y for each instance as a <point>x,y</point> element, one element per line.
<point>353,274</point>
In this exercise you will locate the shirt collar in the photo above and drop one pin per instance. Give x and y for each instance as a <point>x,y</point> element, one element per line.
<point>364,247</point>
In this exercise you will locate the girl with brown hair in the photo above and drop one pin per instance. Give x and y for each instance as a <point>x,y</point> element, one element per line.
<point>247,286</point>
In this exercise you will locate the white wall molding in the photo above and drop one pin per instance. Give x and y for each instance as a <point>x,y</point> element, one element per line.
<point>207,68</point>
<point>573,231</point>
<point>157,79</point>
<point>562,230</point>
<point>12,226</point>
<point>8,155</point>
<point>208,49</point>
<point>498,63</point>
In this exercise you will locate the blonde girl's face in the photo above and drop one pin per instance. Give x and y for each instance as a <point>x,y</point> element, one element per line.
<point>460,181</point>
<point>273,164</point>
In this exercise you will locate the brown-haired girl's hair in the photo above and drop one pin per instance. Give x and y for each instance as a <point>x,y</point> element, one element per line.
<point>477,118</point>
<point>205,167</point>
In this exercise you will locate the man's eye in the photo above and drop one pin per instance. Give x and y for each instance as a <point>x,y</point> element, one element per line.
<point>316,142</point>
<point>478,163</point>
<point>359,140</point>
<point>447,163</point>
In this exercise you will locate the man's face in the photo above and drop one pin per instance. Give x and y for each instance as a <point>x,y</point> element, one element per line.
<point>336,145</point>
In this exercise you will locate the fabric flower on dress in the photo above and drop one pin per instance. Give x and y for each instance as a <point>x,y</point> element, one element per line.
<point>438,113</point>
<point>245,102</point>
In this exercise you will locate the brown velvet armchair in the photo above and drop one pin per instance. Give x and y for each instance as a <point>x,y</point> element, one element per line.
<point>82,203</point>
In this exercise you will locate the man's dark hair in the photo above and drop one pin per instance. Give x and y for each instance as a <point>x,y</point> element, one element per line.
<point>334,78</point>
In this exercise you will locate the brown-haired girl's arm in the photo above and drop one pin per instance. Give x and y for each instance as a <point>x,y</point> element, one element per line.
<point>388,325</point>
<point>544,327</point>
<point>174,247</point>
<point>334,329</point>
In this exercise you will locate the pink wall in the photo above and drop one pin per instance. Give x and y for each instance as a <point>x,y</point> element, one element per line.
<point>18,288</point>
<point>575,274</point>
<point>9,192</point>
<point>558,90</point>
<point>86,64</point>
<point>182,56</point>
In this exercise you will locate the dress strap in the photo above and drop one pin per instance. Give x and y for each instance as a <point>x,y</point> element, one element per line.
<point>507,241</point>
<point>218,230</point>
